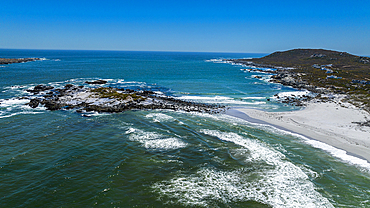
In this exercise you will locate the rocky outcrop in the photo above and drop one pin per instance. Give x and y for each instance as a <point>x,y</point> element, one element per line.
<point>40,88</point>
<point>309,68</point>
<point>17,60</point>
<point>294,80</point>
<point>108,99</point>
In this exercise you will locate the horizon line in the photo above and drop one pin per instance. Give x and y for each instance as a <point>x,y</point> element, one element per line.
<point>169,51</point>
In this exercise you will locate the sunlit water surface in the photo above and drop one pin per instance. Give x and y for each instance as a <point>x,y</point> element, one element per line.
<point>160,158</point>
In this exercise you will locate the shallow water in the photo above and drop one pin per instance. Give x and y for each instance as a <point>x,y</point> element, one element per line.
<point>160,158</point>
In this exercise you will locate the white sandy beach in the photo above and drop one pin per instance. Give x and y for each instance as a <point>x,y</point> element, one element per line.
<point>329,122</point>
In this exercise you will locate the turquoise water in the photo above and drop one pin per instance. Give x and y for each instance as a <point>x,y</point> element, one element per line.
<point>161,158</point>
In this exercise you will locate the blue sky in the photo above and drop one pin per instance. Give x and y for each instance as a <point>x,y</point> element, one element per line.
<point>262,26</point>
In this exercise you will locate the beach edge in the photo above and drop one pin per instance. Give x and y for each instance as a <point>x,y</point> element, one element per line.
<point>323,126</point>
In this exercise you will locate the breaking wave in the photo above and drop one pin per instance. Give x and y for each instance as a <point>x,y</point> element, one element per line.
<point>266,178</point>
<point>155,141</point>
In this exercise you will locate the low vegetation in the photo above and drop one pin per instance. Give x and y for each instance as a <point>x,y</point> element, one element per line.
<point>107,92</point>
<point>338,72</point>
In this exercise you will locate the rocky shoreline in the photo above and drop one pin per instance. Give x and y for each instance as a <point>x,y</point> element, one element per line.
<point>111,100</point>
<point>17,60</point>
<point>287,77</point>
<point>282,75</point>
<point>324,73</point>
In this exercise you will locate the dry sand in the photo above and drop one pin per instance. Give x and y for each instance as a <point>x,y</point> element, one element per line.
<point>329,122</point>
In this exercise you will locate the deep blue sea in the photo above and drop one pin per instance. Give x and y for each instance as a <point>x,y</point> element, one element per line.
<point>161,158</point>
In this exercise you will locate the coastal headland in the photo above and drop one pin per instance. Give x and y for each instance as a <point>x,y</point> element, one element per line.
<point>17,60</point>
<point>319,71</point>
<point>337,112</point>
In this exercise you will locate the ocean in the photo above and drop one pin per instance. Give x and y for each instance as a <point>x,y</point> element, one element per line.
<point>162,158</point>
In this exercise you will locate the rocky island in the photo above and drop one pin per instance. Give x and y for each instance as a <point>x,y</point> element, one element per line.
<point>17,60</point>
<point>319,71</point>
<point>109,99</point>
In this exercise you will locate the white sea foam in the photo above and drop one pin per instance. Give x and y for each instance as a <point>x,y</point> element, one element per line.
<point>292,94</point>
<point>338,153</point>
<point>13,102</point>
<point>279,183</point>
<point>133,82</point>
<point>152,140</point>
<point>19,113</point>
<point>258,70</point>
<point>213,60</point>
<point>81,81</point>
<point>158,92</point>
<point>216,99</point>
<point>223,61</point>
<point>237,64</point>
<point>167,143</point>
<point>222,100</point>
<point>254,98</point>
<point>160,117</point>
<point>21,90</point>
<point>265,78</point>
<point>258,151</point>
<point>130,130</point>
<point>13,107</point>
<point>257,103</point>
<point>217,61</point>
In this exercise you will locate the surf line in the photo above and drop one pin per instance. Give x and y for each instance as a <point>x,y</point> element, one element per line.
<point>343,155</point>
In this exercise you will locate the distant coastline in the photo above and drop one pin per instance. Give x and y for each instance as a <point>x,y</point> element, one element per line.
<point>17,60</point>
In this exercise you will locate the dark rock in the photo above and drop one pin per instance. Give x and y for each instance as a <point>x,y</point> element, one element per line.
<point>40,88</point>
<point>34,103</point>
<point>52,104</point>
<point>17,60</point>
<point>43,88</point>
<point>68,86</point>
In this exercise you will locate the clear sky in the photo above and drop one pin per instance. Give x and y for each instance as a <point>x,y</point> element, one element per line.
<point>259,26</point>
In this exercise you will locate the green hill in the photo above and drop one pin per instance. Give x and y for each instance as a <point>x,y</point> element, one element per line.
<point>338,72</point>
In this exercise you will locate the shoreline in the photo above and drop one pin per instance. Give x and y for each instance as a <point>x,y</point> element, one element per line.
<point>327,122</point>
<point>319,71</point>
